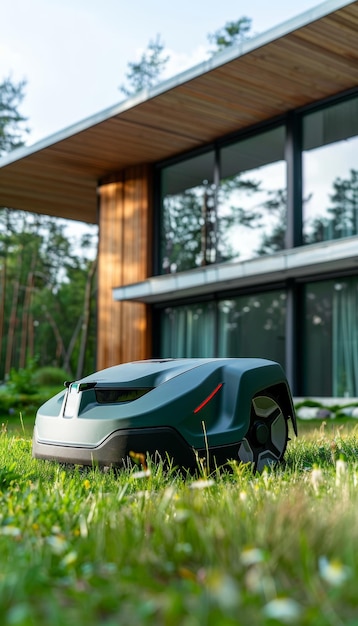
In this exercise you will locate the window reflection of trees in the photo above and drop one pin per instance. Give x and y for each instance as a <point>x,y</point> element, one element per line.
<point>197,233</point>
<point>252,217</point>
<point>243,215</point>
<point>330,174</point>
<point>225,205</point>
<point>182,225</point>
<point>340,219</point>
<point>240,220</point>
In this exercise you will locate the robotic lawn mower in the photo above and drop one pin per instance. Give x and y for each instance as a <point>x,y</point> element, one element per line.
<point>177,409</point>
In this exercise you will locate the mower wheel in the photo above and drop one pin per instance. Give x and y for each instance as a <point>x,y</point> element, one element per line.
<point>266,440</point>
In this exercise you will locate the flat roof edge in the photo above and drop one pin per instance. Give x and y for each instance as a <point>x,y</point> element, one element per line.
<point>219,59</point>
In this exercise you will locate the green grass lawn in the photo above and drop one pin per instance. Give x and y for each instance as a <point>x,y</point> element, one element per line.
<point>134,548</point>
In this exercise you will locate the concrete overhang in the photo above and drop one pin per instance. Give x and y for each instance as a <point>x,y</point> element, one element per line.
<point>307,261</point>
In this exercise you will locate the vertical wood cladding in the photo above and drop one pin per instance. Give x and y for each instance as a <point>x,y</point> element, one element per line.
<point>124,257</point>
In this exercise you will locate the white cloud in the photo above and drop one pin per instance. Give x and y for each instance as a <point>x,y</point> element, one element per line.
<point>182,61</point>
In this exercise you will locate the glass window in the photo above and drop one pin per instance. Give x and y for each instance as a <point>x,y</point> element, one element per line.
<point>331,338</point>
<point>253,326</point>
<point>330,172</point>
<point>244,217</point>
<point>248,326</point>
<point>188,331</point>
<point>252,196</point>
<point>187,204</point>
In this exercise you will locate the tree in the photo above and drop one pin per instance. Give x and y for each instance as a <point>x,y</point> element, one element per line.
<point>194,234</point>
<point>49,291</point>
<point>341,218</point>
<point>146,72</point>
<point>11,130</point>
<point>274,240</point>
<point>86,318</point>
<point>64,308</point>
<point>48,287</point>
<point>11,121</point>
<point>344,212</point>
<point>233,33</point>
<point>182,231</point>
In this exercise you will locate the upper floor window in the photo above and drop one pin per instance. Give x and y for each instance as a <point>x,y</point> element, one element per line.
<point>225,205</point>
<point>187,199</point>
<point>330,172</point>
<point>252,196</point>
<point>230,204</point>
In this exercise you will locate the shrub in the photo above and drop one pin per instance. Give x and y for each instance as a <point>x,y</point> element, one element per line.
<point>49,377</point>
<point>21,380</point>
<point>12,404</point>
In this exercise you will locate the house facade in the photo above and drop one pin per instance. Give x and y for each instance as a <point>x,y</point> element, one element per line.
<point>227,205</point>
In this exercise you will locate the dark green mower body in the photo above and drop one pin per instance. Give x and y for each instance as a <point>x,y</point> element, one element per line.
<point>177,409</point>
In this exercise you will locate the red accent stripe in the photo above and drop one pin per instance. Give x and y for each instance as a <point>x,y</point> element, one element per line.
<point>210,396</point>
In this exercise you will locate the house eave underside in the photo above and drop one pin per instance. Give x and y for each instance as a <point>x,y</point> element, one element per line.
<point>305,60</point>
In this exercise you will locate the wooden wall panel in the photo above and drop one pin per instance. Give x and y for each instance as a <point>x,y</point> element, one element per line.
<point>124,257</point>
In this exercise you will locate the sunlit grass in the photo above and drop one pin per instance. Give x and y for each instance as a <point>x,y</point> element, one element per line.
<point>88,547</point>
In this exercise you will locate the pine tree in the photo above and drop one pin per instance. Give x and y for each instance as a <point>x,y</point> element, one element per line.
<point>11,121</point>
<point>146,72</point>
<point>233,33</point>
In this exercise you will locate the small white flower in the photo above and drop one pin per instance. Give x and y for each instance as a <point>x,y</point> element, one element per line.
<point>57,543</point>
<point>10,531</point>
<point>283,609</point>
<point>252,556</point>
<point>202,484</point>
<point>341,471</point>
<point>316,478</point>
<point>223,590</point>
<point>142,474</point>
<point>333,572</point>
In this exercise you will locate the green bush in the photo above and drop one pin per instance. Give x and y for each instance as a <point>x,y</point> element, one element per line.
<point>49,377</point>
<point>28,388</point>
<point>21,380</point>
<point>12,404</point>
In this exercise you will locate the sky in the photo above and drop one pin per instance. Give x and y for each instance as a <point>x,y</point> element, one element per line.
<point>74,54</point>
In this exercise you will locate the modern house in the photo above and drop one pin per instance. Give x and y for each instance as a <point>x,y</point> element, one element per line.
<point>227,205</point>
